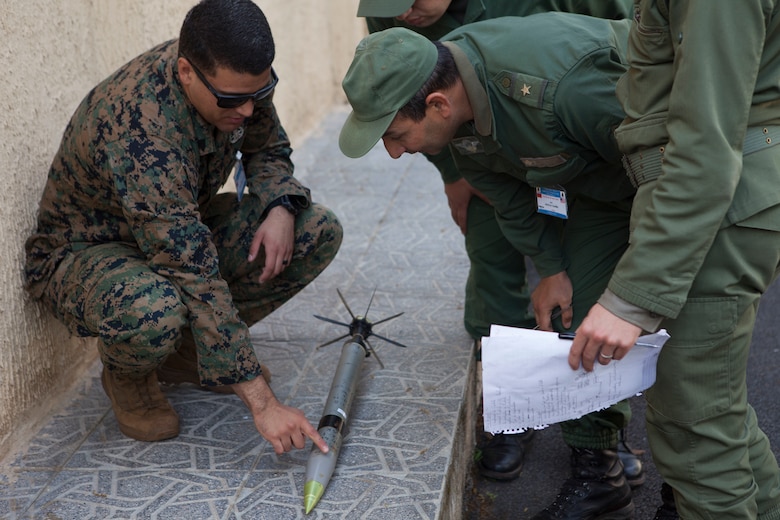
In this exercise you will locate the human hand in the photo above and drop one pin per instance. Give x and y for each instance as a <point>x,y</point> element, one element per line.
<point>601,337</point>
<point>277,236</point>
<point>553,292</point>
<point>459,195</point>
<point>283,426</point>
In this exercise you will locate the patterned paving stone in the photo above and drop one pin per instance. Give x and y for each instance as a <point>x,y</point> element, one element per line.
<point>399,246</point>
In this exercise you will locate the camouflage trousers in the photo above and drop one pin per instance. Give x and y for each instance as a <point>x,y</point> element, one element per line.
<point>110,292</point>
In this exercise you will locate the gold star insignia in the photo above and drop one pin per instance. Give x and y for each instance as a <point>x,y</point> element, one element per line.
<point>526,90</point>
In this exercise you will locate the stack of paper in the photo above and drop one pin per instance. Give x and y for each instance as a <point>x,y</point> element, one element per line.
<point>527,381</point>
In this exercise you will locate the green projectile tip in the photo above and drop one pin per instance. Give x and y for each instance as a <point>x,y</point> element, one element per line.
<point>312,492</point>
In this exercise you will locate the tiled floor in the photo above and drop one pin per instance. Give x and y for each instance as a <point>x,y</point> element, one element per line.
<point>397,460</point>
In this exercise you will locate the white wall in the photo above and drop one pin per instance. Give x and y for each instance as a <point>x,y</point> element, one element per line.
<point>51,53</point>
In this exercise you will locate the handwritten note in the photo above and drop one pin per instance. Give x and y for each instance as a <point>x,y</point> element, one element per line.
<point>527,381</point>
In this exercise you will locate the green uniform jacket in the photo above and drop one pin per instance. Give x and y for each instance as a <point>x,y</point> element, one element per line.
<point>698,80</point>
<point>137,164</point>
<point>543,93</point>
<point>478,10</point>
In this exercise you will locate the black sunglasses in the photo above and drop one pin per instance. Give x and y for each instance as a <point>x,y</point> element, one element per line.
<point>236,100</point>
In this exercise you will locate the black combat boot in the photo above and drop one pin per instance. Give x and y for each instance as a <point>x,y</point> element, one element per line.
<point>668,509</point>
<point>597,489</point>
<point>502,455</point>
<point>632,466</point>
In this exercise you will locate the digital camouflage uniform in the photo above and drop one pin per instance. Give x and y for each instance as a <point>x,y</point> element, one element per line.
<point>496,290</point>
<point>544,114</point>
<point>702,101</point>
<point>134,243</point>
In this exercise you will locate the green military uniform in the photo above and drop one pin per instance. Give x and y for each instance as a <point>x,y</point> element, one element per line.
<point>463,12</point>
<point>133,243</point>
<point>531,130</point>
<point>496,291</point>
<point>703,118</point>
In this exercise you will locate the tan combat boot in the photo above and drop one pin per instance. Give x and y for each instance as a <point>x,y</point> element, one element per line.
<point>141,409</point>
<point>181,367</point>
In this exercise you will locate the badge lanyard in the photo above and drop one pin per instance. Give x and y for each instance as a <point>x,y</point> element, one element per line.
<point>239,176</point>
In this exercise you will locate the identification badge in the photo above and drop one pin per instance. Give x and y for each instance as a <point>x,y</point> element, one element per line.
<point>240,177</point>
<point>551,201</point>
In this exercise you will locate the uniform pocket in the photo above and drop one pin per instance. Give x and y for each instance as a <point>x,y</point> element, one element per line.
<point>694,367</point>
<point>645,89</point>
<point>73,286</point>
<point>554,170</point>
<point>651,35</point>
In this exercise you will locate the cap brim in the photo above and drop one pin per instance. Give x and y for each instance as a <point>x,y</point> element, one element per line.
<point>383,8</point>
<point>358,137</point>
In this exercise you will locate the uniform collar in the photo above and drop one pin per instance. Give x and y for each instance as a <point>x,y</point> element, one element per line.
<point>475,10</point>
<point>475,91</point>
<point>205,133</point>
<point>457,10</point>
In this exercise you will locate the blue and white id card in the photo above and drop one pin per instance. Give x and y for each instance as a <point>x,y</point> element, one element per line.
<point>552,201</point>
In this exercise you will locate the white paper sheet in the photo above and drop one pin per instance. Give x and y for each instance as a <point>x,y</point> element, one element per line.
<point>527,381</point>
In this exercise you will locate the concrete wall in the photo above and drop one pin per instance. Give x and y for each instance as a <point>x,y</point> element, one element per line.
<point>51,53</point>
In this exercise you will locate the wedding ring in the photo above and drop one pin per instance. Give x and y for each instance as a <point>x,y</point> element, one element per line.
<point>606,356</point>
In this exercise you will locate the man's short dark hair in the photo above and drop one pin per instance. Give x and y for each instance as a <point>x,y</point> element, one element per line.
<point>227,33</point>
<point>444,75</point>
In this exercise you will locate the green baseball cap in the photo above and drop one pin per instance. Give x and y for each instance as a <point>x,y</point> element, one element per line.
<point>383,8</point>
<point>388,69</point>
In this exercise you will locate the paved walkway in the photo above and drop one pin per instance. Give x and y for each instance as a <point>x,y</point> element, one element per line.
<point>409,440</point>
<point>403,455</point>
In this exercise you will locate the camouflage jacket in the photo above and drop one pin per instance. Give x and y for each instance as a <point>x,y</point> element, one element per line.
<point>137,164</point>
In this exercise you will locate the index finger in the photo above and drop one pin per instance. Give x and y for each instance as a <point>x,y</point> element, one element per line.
<point>543,321</point>
<point>575,352</point>
<point>315,437</point>
<point>545,318</point>
<point>567,315</point>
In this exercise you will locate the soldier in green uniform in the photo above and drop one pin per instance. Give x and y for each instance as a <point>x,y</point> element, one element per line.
<point>496,290</point>
<point>135,246</point>
<point>527,108</point>
<point>702,103</point>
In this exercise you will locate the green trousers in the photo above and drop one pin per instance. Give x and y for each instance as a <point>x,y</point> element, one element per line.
<point>703,433</point>
<point>110,292</point>
<point>496,288</point>
<point>595,236</point>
